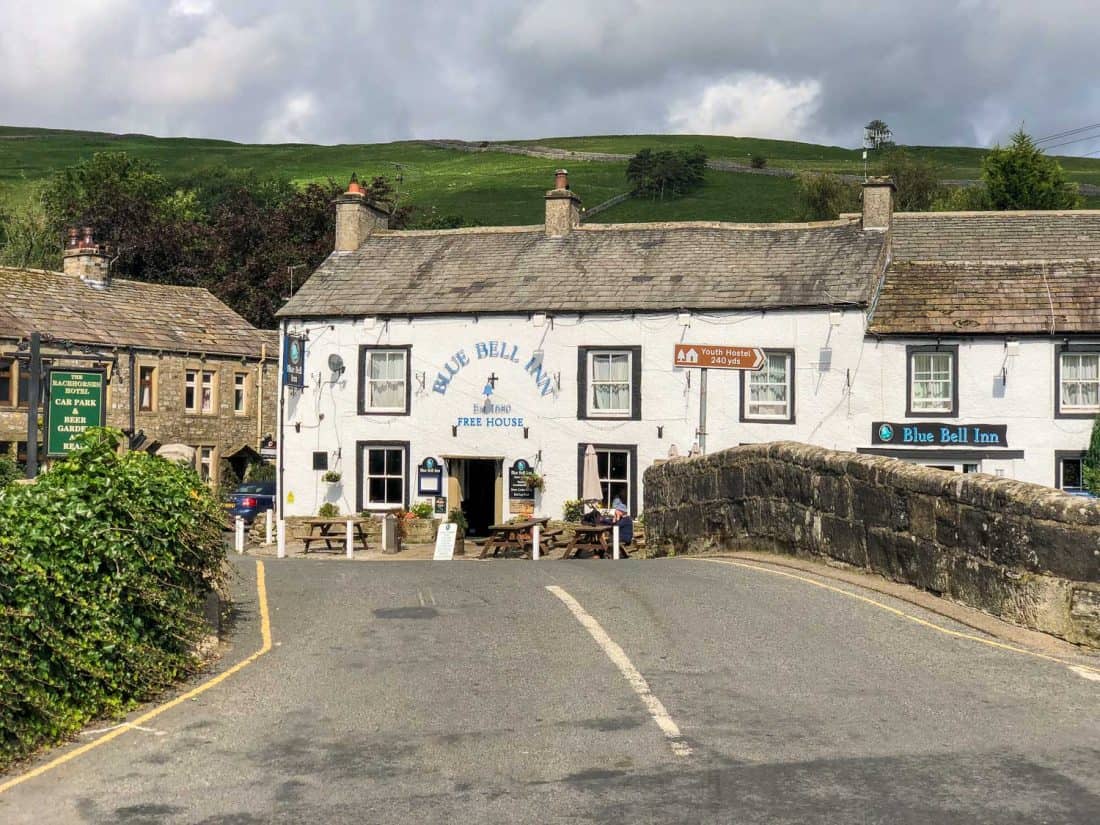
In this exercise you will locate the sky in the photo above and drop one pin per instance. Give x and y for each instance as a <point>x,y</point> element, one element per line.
<point>967,72</point>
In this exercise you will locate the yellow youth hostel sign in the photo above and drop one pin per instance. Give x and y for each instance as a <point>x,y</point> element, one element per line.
<point>77,401</point>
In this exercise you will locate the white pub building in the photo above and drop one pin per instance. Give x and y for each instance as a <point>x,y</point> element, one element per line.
<point>456,366</point>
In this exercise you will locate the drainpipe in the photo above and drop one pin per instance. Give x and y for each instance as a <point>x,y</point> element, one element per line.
<point>281,425</point>
<point>133,395</point>
<point>260,396</point>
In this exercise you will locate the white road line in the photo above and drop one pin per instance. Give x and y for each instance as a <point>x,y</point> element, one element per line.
<point>630,673</point>
<point>1086,672</point>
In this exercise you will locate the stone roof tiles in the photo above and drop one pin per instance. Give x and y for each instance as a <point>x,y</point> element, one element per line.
<point>989,298</point>
<point>996,236</point>
<point>127,313</point>
<point>633,267</point>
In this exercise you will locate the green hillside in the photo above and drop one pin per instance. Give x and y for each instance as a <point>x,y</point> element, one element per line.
<point>486,187</point>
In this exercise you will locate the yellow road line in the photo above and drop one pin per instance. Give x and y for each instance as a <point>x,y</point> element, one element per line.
<point>1081,669</point>
<point>265,635</point>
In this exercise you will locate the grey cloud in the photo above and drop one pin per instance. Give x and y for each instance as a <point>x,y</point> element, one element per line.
<point>353,71</point>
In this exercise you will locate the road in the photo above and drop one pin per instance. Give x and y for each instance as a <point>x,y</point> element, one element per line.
<point>523,692</point>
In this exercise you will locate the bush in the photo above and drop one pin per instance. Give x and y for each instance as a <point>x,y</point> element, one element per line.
<point>105,564</point>
<point>9,471</point>
<point>572,509</point>
<point>456,516</point>
<point>259,471</point>
<point>328,510</point>
<point>422,509</point>
<point>823,197</point>
<point>758,161</point>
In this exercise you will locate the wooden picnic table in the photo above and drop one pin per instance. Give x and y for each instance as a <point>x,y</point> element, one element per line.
<point>596,538</point>
<point>329,530</point>
<point>515,535</point>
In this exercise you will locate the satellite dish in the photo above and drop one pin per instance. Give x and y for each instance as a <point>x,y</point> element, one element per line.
<point>335,363</point>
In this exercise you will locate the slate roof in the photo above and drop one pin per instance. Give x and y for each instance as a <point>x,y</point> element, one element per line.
<point>127,313</point>
<point>995,236</point>
<point>642,267</point>
<point>981,298</point>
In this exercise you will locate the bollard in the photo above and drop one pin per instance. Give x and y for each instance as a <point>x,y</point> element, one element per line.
<point>239,537</point>
<point>349,526</point>
<point>280,551</point>
<point>615,543</point>
<point>536,534</point>
<point>269,518</point>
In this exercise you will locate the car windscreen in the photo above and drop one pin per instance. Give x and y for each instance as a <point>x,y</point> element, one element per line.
<point>261,487</point>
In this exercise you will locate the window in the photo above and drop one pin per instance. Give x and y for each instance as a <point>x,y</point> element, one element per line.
<point>609,383</point>
<point>7,382</point>
<point>147,388</point>
<point>199,392</point>
<point>933,381</point>
<point>768,393</point>
<point>384,380</point>
<point>1079,383</point>
<point>205,458</point>
<point>240,393</point>
<point>618,473</point>
<point>383,475</point>
<point>1069,471</point>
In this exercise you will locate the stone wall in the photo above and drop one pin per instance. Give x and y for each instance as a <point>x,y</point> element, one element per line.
<point>1022,552</point>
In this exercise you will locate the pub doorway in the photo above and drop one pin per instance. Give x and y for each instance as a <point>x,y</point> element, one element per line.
<point>478,484</point>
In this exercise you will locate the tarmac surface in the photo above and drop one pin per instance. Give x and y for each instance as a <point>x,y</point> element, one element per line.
<point>670,690</point>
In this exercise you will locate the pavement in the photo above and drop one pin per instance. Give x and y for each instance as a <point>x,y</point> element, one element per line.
<point>660,691</point>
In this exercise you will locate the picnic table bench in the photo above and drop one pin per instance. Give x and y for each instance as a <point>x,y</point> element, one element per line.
<point>596,538</point>
<point>513,536</point>
<point>329,530</point>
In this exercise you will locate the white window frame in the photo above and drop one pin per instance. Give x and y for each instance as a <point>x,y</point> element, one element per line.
<point>152,388</point>
<point>191,384</point>
<point>240,393</point>
<point>592,384</point>
<point>753,383</point>
<point>931,376</point>
<point>368,382</point>
<point>400,449</point>
<point>208,382</point>
<point>206,460</point>
<point>1065,407</point>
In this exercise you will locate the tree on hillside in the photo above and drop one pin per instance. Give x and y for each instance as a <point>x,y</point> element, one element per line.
<point>666,172</point>
<point>916,177</point>
<point>877,135</point>
<point>824,196</point>
<point>1020,176</point>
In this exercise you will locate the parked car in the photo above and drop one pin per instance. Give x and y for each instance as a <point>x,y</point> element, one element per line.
<point>251,499</point>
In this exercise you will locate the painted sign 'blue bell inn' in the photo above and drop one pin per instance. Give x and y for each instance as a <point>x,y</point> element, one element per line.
<point>925,337</point>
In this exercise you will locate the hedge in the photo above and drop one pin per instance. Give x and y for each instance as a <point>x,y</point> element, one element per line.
<point>105,565</point>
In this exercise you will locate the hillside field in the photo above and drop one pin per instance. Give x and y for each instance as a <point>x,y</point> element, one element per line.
<point>485,187</point>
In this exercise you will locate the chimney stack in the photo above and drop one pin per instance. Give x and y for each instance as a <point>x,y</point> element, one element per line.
<point>878,203</point>
<point>357,217</point>
<point>86,259</point>
<point>562,207</point>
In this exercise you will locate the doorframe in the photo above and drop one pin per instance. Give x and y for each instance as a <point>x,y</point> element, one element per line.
<point>454,482</point>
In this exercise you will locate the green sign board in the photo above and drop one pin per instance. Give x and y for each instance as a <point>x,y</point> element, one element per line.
<point>77,402</point>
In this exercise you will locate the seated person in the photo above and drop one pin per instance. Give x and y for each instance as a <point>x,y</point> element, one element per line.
<point>625,522</point>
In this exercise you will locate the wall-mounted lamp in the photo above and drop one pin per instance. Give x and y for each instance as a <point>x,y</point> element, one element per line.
<point>421,378</point>
<point>557,381</point>
<point>297,426</point>
<point>539,319</point>
<point>660,431</point>
<point>683,319</point>
<point>454,430</point>
<point>526,432</point>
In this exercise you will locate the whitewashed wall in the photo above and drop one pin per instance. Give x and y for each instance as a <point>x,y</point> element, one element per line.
<point>1025,402</point>
<point>325,413</point>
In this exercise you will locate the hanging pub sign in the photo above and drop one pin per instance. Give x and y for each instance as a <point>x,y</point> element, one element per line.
<point>77,401</point>
<point>429,477</point>
<point>938,434</point>
<point>518,487</point>
<point>294,361</point>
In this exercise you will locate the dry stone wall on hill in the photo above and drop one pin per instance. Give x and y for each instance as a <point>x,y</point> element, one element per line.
<point>1022,552</point>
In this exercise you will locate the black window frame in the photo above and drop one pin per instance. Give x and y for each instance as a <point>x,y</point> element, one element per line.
<point>361,448</point>
<point>635,382</point>
<point>364,349</point>
<point>921,349</point>
<point>632,480</point>
<point>1070,349</point>
<point>1062,455</point>
<point>743,415</point>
